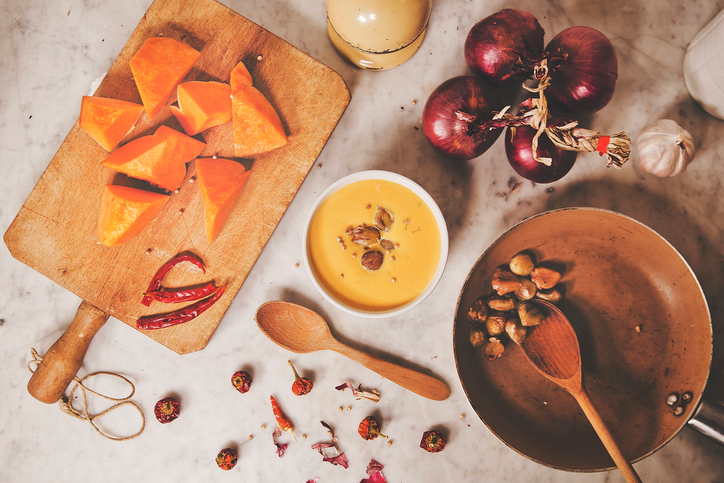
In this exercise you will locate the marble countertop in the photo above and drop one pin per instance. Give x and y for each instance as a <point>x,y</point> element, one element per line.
<point>51,53</point>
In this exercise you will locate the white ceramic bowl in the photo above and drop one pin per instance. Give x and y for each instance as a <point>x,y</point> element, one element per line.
<point>419,191</point>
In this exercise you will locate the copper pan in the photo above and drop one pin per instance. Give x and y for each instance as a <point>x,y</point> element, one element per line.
<point>644,329</point>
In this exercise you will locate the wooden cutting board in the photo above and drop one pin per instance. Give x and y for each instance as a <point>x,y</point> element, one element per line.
<point>56,231</point>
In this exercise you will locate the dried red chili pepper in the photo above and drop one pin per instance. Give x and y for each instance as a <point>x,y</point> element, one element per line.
<point>165,268</point>
<point>166,410</point>
<point>433,441</point>
<point>369,428</point>
<point>180,316</point>
<point>227,458</point>
<point>190,294</point>
<point>282,421</point>
<point>241,380</point>
<point>301,385</point>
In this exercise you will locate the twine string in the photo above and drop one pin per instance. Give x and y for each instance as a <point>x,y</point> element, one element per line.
<point>66,404</point>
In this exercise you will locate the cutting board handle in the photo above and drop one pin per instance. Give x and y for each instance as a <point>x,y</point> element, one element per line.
<point>62,361</point>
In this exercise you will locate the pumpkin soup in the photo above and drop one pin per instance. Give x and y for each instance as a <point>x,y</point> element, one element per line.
<point>374,245</point>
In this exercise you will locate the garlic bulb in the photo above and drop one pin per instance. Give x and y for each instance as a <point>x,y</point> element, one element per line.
<point>665,148</point>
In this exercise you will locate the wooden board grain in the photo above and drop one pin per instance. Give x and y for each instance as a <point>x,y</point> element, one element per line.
<point>55,231</point>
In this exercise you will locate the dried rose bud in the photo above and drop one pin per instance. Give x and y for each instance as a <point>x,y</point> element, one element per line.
<point>432,441</point>
<point>241,381</point>
<point>166,410</point>
<point>301,385</point>
<point>227,458</point>
<point>369,428</point>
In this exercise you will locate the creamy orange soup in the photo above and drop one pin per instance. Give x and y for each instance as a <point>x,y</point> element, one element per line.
<point>406,270</point>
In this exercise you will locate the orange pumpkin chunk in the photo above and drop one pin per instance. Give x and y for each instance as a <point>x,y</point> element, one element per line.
<point>159,159</point>
<point>202,105</point>
<point>221,182</point>
<point>158,67</point>
<point>108,120</point>
<point>257,127</point>
<point>124,213</point>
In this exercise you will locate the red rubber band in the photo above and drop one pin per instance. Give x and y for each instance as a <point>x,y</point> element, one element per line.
<point>602,144</point>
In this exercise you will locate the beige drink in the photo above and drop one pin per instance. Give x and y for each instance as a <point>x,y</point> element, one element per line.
<point>377,34</point>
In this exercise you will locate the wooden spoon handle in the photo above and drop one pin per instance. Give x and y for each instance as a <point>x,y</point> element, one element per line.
<point>64,358</point>
<point>606,437</point>
<point>417,382</point>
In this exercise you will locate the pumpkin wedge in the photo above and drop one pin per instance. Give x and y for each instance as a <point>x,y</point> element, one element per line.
<point>108,121</point>
<point>221,182</point>
<point>159,158</point>
<point>202,105</point>
<point>257,127</point>
<point>158,67</point>
<point>124,213</point>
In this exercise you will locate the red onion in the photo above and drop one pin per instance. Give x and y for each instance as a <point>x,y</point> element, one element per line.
<point>504,45</point>
<point>519,149</point>
<point>583,69</point>
<point>454,113</point>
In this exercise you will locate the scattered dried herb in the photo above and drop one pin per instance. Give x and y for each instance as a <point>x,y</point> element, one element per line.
<point>281,447</point>
<point>227,458</point>
<point>241,380</point>
<point>433,441</point>
<point>166,410</point>
<point>282,420</point>
<point>337,458</point>
<point>373,394</point>
<point>301,385</point>
<point>369,428</point>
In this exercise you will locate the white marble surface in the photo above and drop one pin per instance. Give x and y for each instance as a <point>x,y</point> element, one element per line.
<point>50,53</point>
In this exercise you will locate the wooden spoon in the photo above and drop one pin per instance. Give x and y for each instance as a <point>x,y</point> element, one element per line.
<point>301,330</point>
<point>552,347</point>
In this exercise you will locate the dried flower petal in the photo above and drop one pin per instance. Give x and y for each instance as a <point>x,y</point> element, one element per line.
<point>374,470</point>
<point>314,480</point>
<point>227,458</point>
<point>373,394</point>
<point>281,447</point>
<point>166,410</point>
<point>337,458</point>
<point>374,467</point>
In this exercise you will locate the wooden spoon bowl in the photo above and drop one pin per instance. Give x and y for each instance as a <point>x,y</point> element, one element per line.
<point>301,330</point>
<point>552,348</point>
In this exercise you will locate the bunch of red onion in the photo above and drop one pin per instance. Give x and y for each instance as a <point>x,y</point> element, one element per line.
<point>576,72</point>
